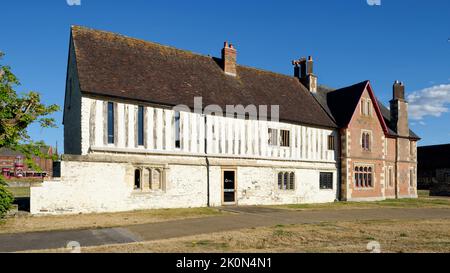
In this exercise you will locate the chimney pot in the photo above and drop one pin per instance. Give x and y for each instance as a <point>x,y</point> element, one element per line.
<point>229,56</point>
<point>303,69</point>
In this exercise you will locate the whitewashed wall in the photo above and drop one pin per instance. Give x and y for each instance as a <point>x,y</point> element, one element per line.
<point>84,187</point>
<point>225,136</point>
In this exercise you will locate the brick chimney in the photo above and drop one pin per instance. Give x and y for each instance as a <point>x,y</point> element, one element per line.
<point>399,110</point>
<point>229,56</point>
<point>304,71</point>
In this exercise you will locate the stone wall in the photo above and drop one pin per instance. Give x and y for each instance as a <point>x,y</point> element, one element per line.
<point>101,183</point>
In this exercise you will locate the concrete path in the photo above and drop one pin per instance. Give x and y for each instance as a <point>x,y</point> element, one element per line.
<point>244,217</point>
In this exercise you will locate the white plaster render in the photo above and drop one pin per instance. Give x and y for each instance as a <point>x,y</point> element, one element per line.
<point>225,136</point>
<point>84,187</point>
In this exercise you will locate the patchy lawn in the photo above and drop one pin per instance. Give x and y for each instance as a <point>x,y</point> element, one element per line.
<point>100,220</point>
<point>421,202</point>
<point>398,236</point>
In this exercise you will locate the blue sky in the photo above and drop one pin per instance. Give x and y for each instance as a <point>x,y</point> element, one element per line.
<point>351,41</point>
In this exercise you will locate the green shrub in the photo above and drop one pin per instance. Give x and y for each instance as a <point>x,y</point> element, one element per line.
<point>6,198</point>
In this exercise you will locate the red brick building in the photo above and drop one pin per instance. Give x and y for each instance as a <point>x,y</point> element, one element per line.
<point>378,150</point>
<point>12,164</point>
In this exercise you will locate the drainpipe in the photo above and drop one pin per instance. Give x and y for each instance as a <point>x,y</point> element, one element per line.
<point>207,163</point>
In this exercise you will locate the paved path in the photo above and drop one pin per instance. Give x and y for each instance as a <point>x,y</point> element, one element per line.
<point>245,217</point>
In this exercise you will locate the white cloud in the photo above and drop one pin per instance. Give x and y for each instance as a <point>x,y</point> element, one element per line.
<point>433,101</point>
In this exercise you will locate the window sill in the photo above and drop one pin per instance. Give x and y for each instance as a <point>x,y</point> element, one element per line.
<point>364,189</point>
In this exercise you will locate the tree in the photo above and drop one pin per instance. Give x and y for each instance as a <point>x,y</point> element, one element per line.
<point>17,112</point>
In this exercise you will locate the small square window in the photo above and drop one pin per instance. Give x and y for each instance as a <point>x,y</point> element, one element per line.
<point>326,181</point>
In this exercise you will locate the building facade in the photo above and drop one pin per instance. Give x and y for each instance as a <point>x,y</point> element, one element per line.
<point>149,126</point>
<point>434,169</point>
<point>13,166</point>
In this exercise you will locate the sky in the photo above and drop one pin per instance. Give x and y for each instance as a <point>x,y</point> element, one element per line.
<point>350,40</point>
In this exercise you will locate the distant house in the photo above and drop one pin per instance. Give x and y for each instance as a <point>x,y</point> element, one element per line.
<point>434,168</point>
<point>13,166</point>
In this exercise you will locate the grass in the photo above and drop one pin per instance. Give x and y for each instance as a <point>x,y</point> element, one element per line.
<point>394,236</point>
<point>421,202</point>
<point>100,220</point>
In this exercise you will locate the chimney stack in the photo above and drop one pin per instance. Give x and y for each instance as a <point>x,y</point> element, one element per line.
<point>304,71</point>
<point>399,110</point>
<point>229,56</point>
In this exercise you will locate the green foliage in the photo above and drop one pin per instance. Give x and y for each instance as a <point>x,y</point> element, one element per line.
<point>17,112</point>
<point>6,198</point>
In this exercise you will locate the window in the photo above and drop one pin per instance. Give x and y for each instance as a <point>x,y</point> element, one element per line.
<point>365,141</point>
<point>411,178</point>
<point>326,181</point>
<point>292,181</point>
<point>363,177</point>
<point>391,178</point>
<point>366,107</point>
<point>110,123</point>
<point>273,137</point>
<point>369,108</point>
<point>280,181</point>
<point>286,181</point>
<point>363,106</point>
<point>141,126</point>
<point>285,140</point>
<point>137,179</point>
<point>177,130</point>
<point>331,143</point>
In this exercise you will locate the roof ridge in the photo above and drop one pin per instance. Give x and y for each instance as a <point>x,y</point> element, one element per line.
<point>77,27</point>
<point>140,40</point>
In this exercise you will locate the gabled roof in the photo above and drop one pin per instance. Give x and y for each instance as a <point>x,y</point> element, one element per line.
<point>112,65</point>
<point>341,105</point>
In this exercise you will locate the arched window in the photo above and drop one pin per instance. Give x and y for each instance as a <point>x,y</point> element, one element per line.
<point>366,184</point>
<point>363,177</point>
<point>363,141</point>
<point>368,141</point>
<point>292,181</point>
<point>285,181</point>
<point>280,181</point>
<point>137,179</point>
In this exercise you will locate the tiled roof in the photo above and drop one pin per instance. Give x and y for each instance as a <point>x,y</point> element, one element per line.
<point>116,66</point>
<point>340,104</point>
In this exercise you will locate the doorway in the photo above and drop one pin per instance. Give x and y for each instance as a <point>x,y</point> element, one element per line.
<point>229,187</point>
